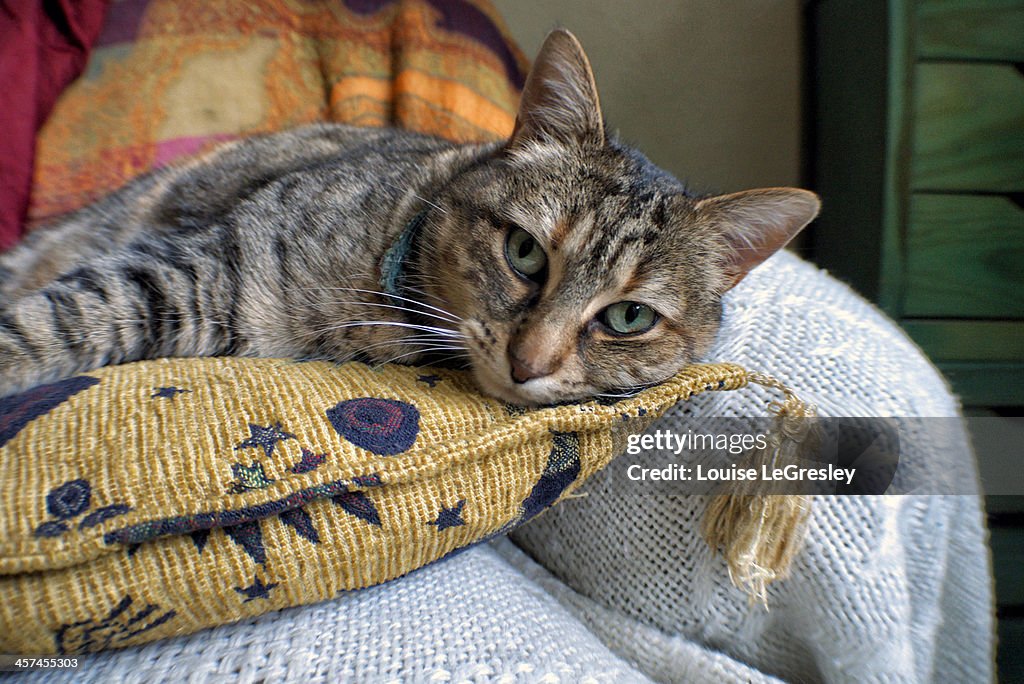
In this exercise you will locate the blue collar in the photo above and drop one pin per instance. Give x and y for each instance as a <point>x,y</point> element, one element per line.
<point>393,264</point>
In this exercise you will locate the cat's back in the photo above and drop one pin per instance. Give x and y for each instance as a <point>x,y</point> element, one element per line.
<point>198,191</point>
<point>209,187</point>
<point>195,198</point>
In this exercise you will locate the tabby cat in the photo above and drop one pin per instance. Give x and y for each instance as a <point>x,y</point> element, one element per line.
<point>556,265</point>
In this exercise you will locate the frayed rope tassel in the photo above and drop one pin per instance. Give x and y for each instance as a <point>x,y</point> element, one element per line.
<point>760,533</point>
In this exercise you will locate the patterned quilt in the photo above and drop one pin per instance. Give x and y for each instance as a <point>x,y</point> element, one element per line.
<point>168,79</point>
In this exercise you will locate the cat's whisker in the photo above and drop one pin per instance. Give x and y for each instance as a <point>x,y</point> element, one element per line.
<point>623,395</point>
<point>454,318</point>
<point>419,197</point>
<point>464,364</point>
<point>397,308</point>
<point>432,204</point>
<point>412,326</point>
<point>427,337</point>
<point>420,337</point>
<point>417,351</point>
<point>424,293</point>
<point>457,355</point>
<point>425,280</point>
<point>425,345</point>
<point>425,277</point>
<point>422,343</point>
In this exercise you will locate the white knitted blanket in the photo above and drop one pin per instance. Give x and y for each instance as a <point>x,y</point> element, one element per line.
<point>887,589</point>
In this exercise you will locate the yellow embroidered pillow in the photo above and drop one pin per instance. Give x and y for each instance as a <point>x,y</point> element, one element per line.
<point>161,497</point>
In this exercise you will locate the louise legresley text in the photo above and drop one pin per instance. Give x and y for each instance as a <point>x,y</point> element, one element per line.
<point>734,444</point>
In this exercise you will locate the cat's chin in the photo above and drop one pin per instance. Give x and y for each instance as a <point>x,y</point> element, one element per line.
<point>493,387</point>
<point>533,393</point>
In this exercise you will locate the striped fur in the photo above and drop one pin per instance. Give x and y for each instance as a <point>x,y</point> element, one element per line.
<point>271,247</point>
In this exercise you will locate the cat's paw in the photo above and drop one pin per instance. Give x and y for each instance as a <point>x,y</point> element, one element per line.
<point>19,370</point>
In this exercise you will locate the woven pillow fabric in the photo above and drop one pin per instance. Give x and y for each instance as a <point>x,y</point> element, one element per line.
<point>153,499</point>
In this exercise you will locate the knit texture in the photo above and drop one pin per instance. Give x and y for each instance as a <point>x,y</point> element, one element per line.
<point>160,497</point>
<point>886,588</point>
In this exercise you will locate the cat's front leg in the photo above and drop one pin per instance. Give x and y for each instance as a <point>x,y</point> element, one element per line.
<point>118,310</point>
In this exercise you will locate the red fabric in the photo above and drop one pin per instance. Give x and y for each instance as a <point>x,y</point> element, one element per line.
<point>44,45</point>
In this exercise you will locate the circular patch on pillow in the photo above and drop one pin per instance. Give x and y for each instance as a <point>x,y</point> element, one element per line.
<point>68,500</point>
<point>384,426</point>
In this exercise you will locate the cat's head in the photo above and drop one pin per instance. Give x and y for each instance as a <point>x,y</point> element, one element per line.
<point>578,267</point>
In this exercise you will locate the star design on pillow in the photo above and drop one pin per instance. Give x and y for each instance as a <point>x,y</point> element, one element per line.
<point>249,535</point>
<point>256,590</point>
<point>249,477</point>
<point>359,505</point>
<point>168,392</point>
<point>310,462</point>
<point>199,538</point>
<point>265,437</point>
<point>449,517</point>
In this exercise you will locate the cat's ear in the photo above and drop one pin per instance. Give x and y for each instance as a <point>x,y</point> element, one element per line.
<point>559,101</point>
<point>757,223</point>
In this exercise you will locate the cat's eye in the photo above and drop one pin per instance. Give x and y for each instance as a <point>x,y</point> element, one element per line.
<point>525,254</point>
<point>628,318</point>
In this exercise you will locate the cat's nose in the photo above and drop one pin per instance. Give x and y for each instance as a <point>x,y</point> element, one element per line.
<point>524,370</point>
